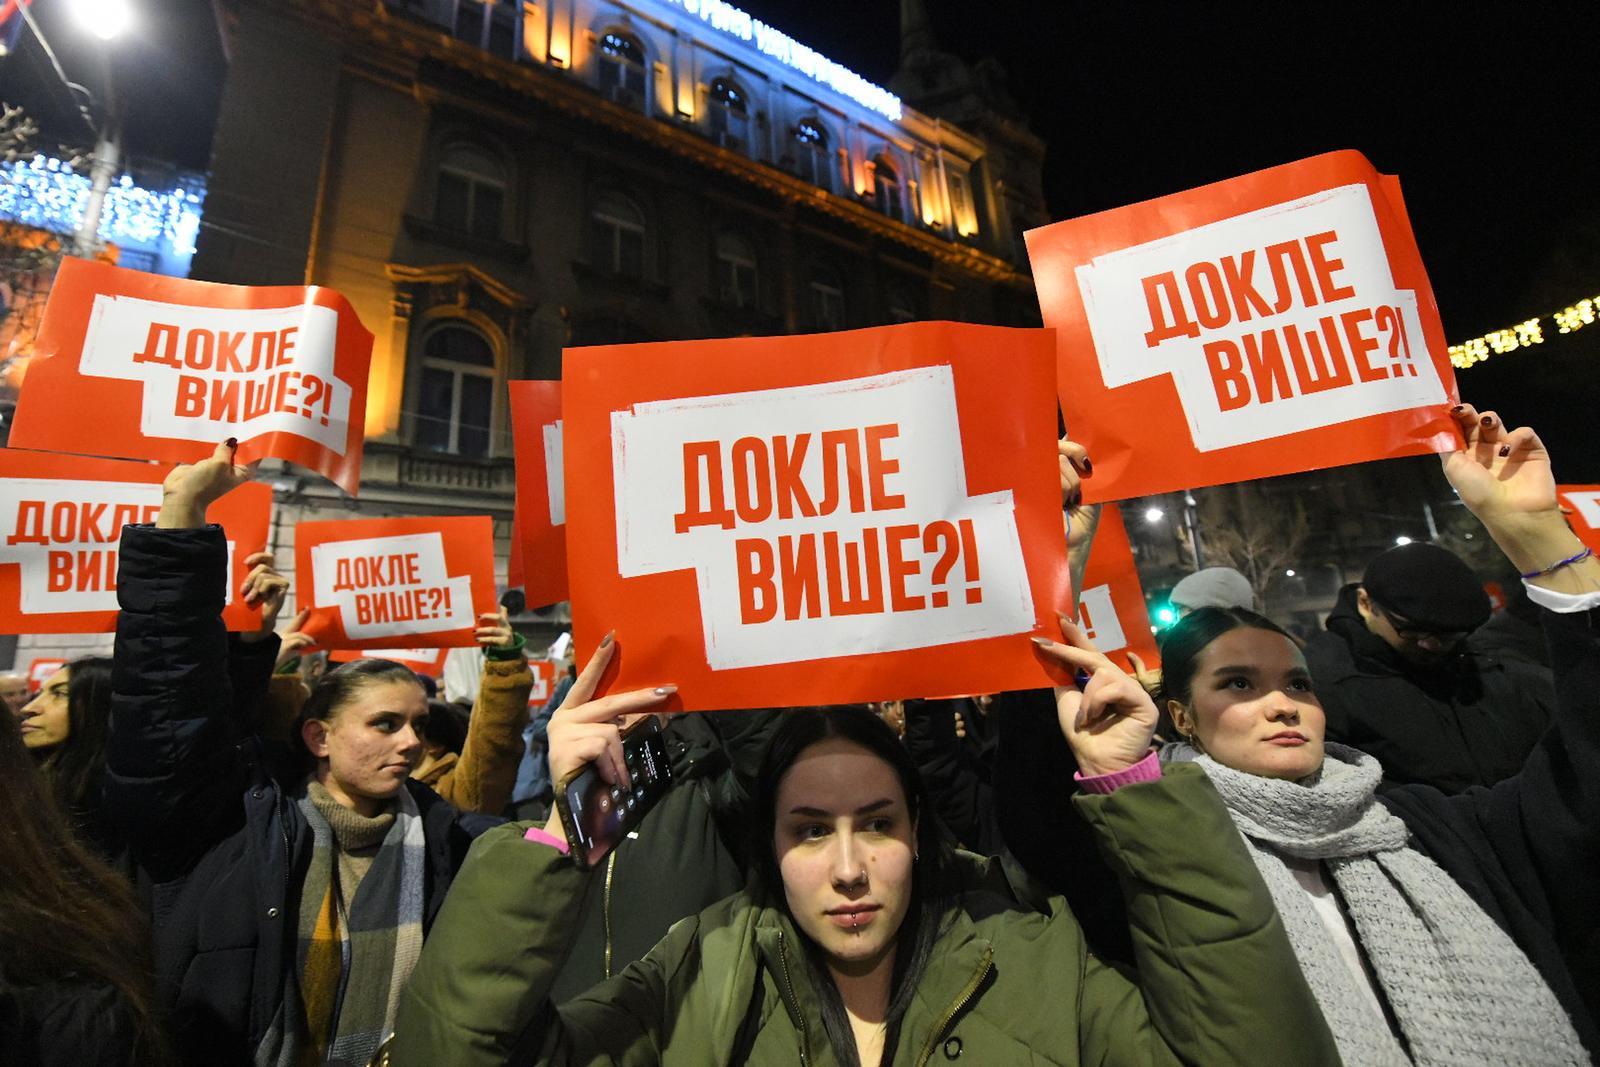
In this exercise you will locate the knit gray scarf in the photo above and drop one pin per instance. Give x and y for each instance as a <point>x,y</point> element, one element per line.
<point>1461,990</point>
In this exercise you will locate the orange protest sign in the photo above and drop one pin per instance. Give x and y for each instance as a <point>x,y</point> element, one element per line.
<point>40,670</point>
<point>61,520</point>
<point>171,367</point>
<point>817,520</point>
<point>1281,321</point>
<point>544,682</point>
<point>1111,608</point>
<point>395,583</point>
<point>539,534</point>
<point>1583,504</point>
<point>429,661</point>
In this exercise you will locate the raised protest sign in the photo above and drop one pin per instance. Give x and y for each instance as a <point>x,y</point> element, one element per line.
<point>816,520</point>
<point>1276,322</point>
<point>1111,608</point>
<point>61,520</point>
<point>429,661</point>
<point>1583,511</point>
<point>40,670</point>
<point>172,367</point>
<point>539,534</point>
<point>544,682</point>
<point>395,583</point>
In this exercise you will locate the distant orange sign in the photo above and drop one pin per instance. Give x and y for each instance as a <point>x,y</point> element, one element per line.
<point>171,367</point>
<point>1111,608</point>
<point>1276,322</point>
<point>1583,503</point>
<point>820,519</point>
<point>429,661</point>
<point>395,583</point>
<point>539,532</point>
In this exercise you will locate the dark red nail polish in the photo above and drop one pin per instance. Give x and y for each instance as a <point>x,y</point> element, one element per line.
<point>1487,420</point>
<point>1458,409</point>
<point>1505,450</point>
<point>232,442</point>
<point>1088,468</point>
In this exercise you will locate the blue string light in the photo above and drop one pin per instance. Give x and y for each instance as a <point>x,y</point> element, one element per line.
<point>46,193</point>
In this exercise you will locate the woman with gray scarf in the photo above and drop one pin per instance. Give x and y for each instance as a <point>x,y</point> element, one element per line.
<point>1433,929</point>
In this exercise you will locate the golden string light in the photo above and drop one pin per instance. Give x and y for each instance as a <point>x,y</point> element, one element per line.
<point>1524,334</point>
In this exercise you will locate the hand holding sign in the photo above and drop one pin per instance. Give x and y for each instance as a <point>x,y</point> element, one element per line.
<point>1109,723</point>
<point>191,488</point>
<point>587,730</point>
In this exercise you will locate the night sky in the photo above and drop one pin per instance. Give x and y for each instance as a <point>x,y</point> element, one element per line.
<point>1486,112</point>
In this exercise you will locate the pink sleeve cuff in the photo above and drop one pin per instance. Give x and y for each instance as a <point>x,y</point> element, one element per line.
<point>1146,770</point>
<point>538,836</point>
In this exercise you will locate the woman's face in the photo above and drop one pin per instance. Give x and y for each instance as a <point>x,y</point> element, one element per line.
<point>44,718</point>
<point>1251,706</point>
<point>371,744</point>
<point>846,844</point>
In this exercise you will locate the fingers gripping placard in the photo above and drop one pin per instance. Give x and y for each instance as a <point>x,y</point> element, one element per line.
<point>61,520</point>
<point>824,520</point>
<point>831,517</point>
<point>175,366</point>
<point>396,582</point>
<point>1283,304</point>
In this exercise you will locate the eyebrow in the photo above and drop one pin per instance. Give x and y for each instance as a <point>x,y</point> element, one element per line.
<point>1240,669</point>
<point>865,809</point>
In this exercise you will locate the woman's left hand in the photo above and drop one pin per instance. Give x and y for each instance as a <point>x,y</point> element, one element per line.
<point>1110,722</point>
<point>494,630</point>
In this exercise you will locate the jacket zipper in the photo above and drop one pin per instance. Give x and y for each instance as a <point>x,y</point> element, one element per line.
<point>792,1001</point>
<point>984,967</point>
<point>611,866</point>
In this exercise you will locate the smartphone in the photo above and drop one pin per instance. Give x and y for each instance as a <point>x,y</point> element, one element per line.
<point>597,815</point>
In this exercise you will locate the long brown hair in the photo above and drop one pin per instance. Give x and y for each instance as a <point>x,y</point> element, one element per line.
<point>63,911</point>
<point>75,766</point>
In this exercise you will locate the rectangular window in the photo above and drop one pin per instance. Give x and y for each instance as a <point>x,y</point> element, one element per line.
<point>477,411</point>
<point>435,407</point>
<point>453,204</point>
<point>486,204</point>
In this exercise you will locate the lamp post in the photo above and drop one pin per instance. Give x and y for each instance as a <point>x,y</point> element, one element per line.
<point>105,19</point>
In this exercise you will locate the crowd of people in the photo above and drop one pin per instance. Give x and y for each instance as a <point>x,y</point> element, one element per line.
<point>1374,847</point>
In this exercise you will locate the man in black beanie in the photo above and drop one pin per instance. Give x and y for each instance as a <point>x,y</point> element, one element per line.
<point>1397,680</point>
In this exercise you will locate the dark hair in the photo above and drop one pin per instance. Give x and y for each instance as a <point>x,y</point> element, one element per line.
<point>930,886</point>
<point>446,725</point>
<point>1182,645</point>
<point>74,767</point>
<point>64,913</point>
<point>338,687</point>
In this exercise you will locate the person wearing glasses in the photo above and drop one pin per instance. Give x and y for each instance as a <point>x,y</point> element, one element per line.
<point>1399,681</point>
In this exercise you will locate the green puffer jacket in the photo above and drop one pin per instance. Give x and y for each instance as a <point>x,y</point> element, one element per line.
<point>1006,985</point>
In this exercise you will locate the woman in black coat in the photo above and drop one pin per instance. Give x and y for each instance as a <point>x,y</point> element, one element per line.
<point>265,949</point>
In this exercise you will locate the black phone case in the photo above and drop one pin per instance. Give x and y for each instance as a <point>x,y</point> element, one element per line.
<point>634,742</point>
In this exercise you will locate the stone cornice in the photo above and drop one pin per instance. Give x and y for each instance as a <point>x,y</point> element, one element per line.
<point>375,38</point>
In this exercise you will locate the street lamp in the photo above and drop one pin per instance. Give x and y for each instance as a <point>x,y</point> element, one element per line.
<point>105,19</point>
<point>1154,515</point>
<point>1402,540</point>
<point>1289,573</point>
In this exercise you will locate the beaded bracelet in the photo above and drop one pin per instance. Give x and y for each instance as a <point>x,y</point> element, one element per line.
<point>1569,561</point>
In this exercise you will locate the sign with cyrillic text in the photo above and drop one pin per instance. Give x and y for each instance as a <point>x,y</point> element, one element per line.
<point>539,539</point>
<point>1583,512</point>
<point>1111,608</point>
<point>1281,321</point>
<point>429,661</point>
<point>411,583</point>
<point>61,520</point>
<point>170,368</point>
<point>817,520</point>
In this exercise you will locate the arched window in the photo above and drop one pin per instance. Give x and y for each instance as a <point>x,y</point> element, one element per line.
<point>616,236</point>
<point>736,271</point>
<point>455,394</point>
<point>488,25</point>
<point>622,70</point>
<point>729,115</point>
<point>470,192</point>
<point>827,300</point>
<point>886,188</point>
<point>810,148</point>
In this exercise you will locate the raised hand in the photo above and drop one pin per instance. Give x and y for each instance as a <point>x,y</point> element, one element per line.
<point>585,730</point>
<point>1080,519</point>
<point>264,586</point>
<point>1110,722</point>
<point>1501,472</point>
<point>294,640</point>
<point>192,487</point>
<point>494,630</point>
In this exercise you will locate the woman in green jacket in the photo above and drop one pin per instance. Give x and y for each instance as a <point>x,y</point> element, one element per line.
<point>862,940</point>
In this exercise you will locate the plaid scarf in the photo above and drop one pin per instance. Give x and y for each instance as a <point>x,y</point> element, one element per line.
<point>354,951</point>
